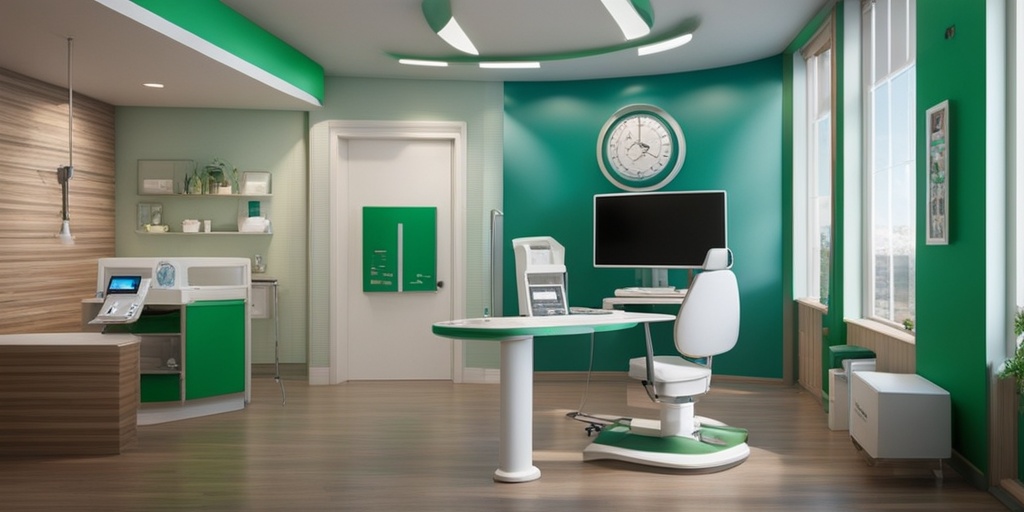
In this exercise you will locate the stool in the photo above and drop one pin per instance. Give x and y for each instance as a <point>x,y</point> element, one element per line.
<point>843,360</point>
<point>839,353</point>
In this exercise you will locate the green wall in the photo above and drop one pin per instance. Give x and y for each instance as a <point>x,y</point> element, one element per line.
<point>732,120</point>
<point>953,280</point>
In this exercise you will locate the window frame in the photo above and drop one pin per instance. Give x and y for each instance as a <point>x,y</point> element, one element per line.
<point>808,283</point>
<point>868,70</point>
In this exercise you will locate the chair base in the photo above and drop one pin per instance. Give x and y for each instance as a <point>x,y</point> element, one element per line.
<point>716,447</point>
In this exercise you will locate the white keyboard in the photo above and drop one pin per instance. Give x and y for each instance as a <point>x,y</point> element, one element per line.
<point>658,291</point>
<point>577,310</point>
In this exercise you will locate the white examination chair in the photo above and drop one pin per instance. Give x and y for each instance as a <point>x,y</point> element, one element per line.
<point>707,325</point>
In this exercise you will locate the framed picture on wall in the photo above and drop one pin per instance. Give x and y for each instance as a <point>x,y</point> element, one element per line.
<point>937,175</point>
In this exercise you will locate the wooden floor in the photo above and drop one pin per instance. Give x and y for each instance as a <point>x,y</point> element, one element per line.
<point>433,446</point>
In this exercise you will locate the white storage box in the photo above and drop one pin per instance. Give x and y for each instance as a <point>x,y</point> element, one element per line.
<point>839,391</point>
<point>899,416</point>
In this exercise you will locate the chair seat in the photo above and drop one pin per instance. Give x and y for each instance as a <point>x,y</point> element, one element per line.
<point>673,375</point>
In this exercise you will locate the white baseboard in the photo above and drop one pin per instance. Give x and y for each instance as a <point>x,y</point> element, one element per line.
<point>319,376</point>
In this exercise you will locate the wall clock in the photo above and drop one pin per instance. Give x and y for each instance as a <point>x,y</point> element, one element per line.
<point>641,147</point>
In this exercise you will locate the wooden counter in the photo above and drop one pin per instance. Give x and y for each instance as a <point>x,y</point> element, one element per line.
<point>68,393</point>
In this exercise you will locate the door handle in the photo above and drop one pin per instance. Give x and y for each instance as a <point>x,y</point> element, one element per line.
<point>440,284</point>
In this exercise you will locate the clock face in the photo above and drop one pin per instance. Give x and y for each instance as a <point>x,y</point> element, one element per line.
<point>641,148</point>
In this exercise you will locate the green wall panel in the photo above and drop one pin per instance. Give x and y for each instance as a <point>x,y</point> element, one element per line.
<point>951,349</point>
<point>732,121</point>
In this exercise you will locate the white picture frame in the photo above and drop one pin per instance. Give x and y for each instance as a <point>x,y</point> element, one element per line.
<point>936,175</point>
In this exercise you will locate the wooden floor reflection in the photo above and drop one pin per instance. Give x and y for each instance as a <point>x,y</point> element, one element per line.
<point>433,446</point>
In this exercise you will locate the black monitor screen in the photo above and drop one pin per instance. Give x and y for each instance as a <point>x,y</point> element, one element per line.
<point>658,229</point>
<point>124,284</point>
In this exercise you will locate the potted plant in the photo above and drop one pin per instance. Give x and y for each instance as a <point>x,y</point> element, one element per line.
<point>221,176</point>
<point>1014,367</point>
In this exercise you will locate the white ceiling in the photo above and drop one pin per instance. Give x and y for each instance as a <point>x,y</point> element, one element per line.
<point>114,55</point>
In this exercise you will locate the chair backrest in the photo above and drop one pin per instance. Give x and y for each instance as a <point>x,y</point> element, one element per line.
<point>708,322</point>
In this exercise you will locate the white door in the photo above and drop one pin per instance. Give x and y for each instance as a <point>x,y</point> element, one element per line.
<point>388,334</point>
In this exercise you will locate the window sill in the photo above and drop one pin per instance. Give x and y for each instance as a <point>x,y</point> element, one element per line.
<point>814,303</point>
<point>885,330</point>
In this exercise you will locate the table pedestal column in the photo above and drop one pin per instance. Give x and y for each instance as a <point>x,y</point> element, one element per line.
<point>515,449</point>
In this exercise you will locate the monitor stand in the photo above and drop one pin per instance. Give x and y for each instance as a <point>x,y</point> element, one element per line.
<point>656,278</point>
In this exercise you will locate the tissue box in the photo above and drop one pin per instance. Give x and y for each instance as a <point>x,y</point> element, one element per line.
<point>254,225</point>
<point>190,226</point>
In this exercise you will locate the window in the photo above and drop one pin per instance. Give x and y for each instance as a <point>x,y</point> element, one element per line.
<point>818,59</point>
<point>888,55</point>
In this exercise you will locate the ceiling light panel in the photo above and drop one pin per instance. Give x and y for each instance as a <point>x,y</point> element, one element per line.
<point>629,18</point>
<point>666,45</point>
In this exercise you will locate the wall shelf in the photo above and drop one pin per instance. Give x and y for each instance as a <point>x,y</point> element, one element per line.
<point>173,233</point>
<point>248,205</point>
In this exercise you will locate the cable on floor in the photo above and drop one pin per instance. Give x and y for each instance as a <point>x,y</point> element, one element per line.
<point>595,423</point>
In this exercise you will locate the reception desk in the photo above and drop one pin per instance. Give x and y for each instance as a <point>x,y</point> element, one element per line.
<point>68,393</point>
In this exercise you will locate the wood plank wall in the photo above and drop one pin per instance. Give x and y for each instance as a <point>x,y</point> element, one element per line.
<point>810,345</point>
<point>1003,433</point>
<point>42,281</point>
<point>894,353</point>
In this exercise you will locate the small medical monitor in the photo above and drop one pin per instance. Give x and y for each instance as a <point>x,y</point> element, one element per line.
<point>658,229</point>
<point>124,285</point>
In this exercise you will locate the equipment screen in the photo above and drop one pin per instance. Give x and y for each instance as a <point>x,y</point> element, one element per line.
<point>124,284</point>
<point>658,229</point>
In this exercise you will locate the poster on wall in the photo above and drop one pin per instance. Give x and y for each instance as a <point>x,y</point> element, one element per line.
<point>937,175</point>
<point>399,248</point>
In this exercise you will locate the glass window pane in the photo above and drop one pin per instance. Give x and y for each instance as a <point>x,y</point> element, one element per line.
<point>902,117</point>
<point>899,20</point>
<point>824,80</point>
<point>880,39</point>
<point>880,128</point>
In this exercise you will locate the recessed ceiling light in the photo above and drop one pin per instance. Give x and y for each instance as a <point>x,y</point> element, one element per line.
<point>666,45</point>
<point>453,34</point>
<point>154,85</point>
<point>421,62</point>
<point>510,65</point>
<point>438,14</point>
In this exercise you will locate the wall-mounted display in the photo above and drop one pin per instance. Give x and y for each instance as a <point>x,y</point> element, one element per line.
<point>150,218</point>
<point>163,177</point>
<point>399,249</point>
<point>937,175</point>
<point>255,183</point>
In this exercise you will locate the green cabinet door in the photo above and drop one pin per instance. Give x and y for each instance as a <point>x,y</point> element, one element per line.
<point>214,348</point>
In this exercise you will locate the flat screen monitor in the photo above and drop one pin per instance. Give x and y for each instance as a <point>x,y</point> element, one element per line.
<point>124,285</point>
<point>658,229</point>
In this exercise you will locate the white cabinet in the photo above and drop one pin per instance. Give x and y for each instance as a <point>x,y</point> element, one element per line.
<point>900,416</point>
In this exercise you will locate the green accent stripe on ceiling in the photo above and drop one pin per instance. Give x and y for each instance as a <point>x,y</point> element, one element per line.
<point>269,59</point>
<point>644,9</point>
<point>687,26</point>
